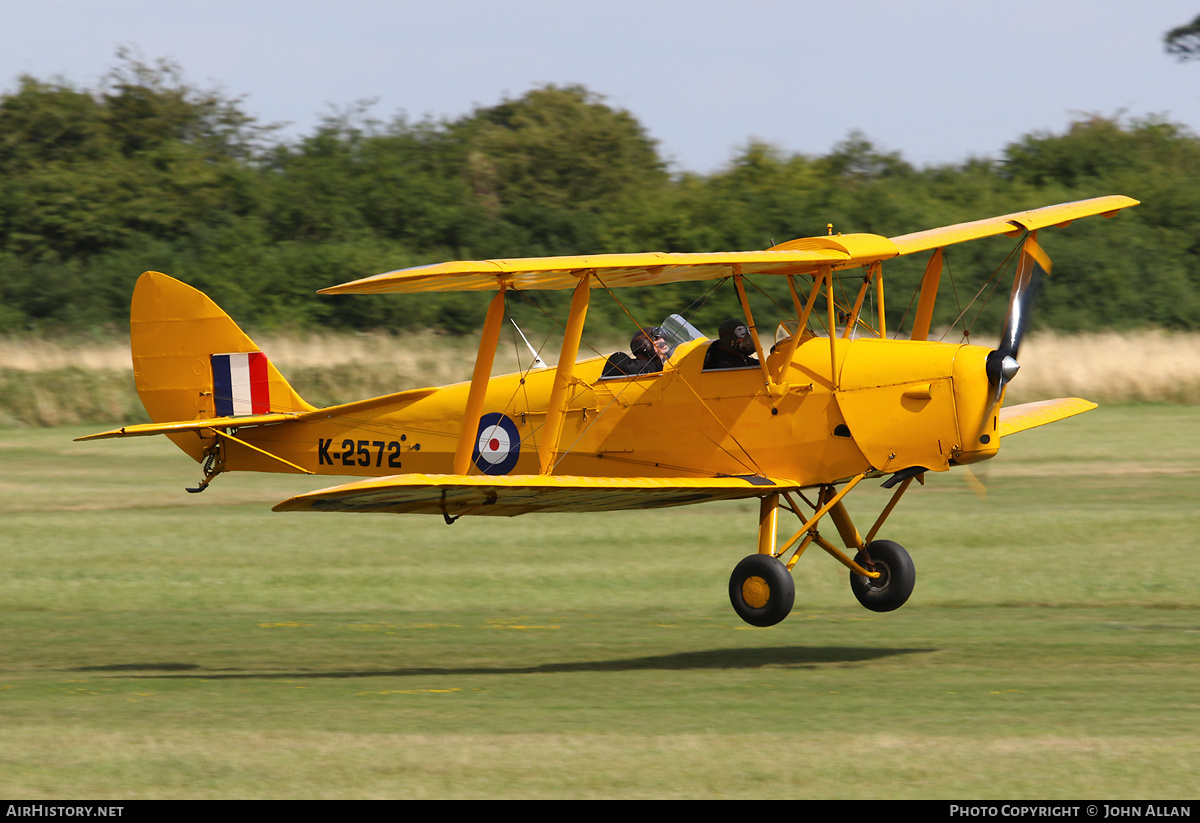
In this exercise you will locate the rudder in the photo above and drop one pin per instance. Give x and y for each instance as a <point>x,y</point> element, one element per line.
<point>191,360</point>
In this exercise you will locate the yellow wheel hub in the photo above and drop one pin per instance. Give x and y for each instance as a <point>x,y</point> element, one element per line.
<point>756,592</point>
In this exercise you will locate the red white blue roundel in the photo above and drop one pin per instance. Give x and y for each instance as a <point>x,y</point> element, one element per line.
<point>498,445</point>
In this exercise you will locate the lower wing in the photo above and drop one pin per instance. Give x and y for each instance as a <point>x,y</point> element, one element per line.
<point>1015,419</point>
<point>455,495</point>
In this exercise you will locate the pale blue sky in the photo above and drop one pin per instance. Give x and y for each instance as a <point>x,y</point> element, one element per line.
<point>937,80</point>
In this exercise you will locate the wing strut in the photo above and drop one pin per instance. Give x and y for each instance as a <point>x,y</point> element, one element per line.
<point>479,382</point>
<point>929,287</point>
<point>802,315</point>
<point>556,409</point>
<point>826,274</point>
<point>741,293</point>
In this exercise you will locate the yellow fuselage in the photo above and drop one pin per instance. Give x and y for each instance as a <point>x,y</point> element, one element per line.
<point>895,404</point>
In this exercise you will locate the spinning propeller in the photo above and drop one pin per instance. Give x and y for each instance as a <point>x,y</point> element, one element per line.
<point>1002,365</point>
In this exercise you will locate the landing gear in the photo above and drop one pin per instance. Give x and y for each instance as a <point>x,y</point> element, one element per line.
<point>882,575</point>
<point>762,590</point>
<point>897,576</point>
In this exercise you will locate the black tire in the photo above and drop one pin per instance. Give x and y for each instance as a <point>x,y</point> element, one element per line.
<point>762,590</point>
<point>891,590</point>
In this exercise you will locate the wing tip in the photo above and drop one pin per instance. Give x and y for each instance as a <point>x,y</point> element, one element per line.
<point>1015,419</point>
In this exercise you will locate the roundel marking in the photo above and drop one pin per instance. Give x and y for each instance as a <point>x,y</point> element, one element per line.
<point>497,445</point>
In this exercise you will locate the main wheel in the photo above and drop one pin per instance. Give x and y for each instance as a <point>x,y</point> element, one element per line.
<point>897,576</point>
<point>762,590</point>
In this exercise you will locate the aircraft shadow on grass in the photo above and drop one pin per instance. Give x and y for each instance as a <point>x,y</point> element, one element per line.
<point>793,657</point>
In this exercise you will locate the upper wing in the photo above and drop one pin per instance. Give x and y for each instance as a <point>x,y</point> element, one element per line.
<point>1015,419</point>
<point>1061,215</point>
<point>617,270</point>
<point>509,495</point>
<point>804,256</point>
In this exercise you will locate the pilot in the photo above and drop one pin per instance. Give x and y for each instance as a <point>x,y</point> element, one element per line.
<point>648,347</point>
<point>733,348</point>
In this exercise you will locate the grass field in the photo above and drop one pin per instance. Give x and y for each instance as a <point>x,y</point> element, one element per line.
<point>155,644</point>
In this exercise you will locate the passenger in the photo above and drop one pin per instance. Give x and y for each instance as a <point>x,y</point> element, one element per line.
<point>648,347</point>
<point>733,347</point>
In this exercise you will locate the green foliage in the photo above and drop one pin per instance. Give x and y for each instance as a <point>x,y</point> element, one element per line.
<point>88,172</point>
<point>147,171</point>
<point>1184,41</point>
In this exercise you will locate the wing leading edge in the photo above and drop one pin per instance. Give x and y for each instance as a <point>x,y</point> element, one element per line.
<point>510,495</point>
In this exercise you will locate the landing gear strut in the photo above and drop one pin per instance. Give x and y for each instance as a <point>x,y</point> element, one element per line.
<point>882,575</point>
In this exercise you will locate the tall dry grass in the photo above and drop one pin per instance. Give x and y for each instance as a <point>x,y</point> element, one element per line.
<point>1110,367</point>
<point>57,382</point>
<point>50,382</point>
<point>409,353</point>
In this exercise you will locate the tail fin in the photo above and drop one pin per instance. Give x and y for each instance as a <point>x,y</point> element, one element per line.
<point>191,361</point>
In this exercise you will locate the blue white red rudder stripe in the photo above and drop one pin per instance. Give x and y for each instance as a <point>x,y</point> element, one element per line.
<point>240,384</point>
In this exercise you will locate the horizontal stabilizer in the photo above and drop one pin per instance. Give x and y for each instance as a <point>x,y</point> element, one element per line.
<point>506,496</point>
<point>183,426</point>
<point>1015,419</point>
<point>245,421</point>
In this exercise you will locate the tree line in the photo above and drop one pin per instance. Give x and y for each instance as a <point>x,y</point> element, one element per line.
<point>147,171</point>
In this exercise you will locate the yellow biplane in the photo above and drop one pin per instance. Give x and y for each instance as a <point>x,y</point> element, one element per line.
<point>797,425</point>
